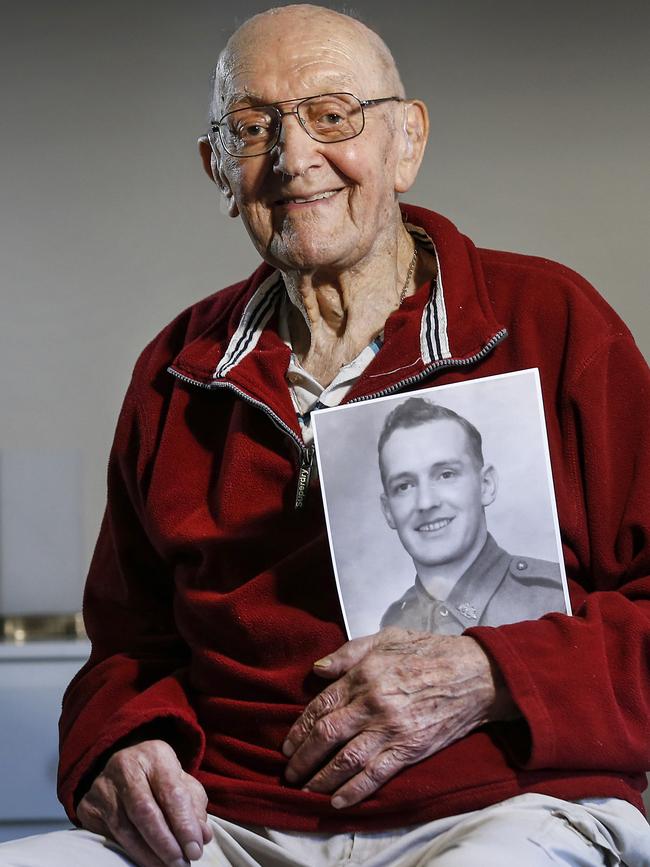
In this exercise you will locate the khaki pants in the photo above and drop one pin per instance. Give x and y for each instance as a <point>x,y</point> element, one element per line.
<point>527,831</point>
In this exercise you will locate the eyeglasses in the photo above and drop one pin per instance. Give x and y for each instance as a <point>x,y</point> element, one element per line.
<point>327,117</point>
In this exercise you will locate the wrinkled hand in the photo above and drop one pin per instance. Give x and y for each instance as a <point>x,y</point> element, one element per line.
<point>399,697</point>
<point>144,800</point>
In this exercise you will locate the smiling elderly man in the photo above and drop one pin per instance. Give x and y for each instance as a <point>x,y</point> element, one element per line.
<point>220,677</point>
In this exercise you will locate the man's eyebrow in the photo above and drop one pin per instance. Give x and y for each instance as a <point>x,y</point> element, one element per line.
<point>246,96</point>
<point>243,99</point>
<point>403,474</point>
<point>454,463</point>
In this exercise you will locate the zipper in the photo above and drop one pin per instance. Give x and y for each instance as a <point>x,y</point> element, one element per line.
<point>307,452</point>
<point>441,364</point>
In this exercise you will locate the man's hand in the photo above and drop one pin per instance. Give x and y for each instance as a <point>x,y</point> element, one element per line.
<point>144,800</point>
<point>400,696</point>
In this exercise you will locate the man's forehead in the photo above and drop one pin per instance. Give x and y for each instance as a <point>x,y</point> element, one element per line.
<point>249,89</point>
<point>317,47</point>
<point>440,435</point>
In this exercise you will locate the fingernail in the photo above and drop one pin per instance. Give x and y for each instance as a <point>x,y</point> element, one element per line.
<point>192,851</point>
<point>290,775</point>
<point>337,803</point>
<point>325,662</point>
<point>179,862</point>
<point>288,748</point>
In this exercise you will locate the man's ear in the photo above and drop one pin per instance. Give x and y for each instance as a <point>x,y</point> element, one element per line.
<point>413,138</point>
<point>213,169</point>
<point>385,507</point>
<point>489,484</point>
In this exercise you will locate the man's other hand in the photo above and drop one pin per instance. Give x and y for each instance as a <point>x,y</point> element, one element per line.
<point>144,800</point>
<point>398,697</point>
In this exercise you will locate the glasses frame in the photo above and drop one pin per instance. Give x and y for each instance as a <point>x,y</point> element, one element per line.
<point>363,103</point>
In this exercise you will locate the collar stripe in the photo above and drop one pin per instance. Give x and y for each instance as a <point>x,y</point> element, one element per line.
<point>428,345</point>
<point>257,313</point>
<point>437,327</point>
<point>434,340</point>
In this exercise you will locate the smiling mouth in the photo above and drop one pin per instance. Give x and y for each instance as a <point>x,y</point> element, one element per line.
<point>434,526</point>
<point>305,200</point>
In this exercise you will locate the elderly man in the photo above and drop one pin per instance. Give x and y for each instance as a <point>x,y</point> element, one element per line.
<point>211,602</point>
<point>436,488</point>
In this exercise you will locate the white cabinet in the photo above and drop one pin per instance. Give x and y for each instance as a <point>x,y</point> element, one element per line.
<point>33,677</point>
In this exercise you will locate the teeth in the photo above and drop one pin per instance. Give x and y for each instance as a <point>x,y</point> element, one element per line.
<point>316,197</point>
<point>434,525</point>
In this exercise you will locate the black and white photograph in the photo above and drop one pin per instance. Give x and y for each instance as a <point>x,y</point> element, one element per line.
<point>440,507</point>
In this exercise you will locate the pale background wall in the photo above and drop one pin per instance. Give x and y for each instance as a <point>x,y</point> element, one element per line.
<point>108,226</point>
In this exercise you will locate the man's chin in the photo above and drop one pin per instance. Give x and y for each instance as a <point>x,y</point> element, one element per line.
<point>301,254</point>
<point>436,558</point>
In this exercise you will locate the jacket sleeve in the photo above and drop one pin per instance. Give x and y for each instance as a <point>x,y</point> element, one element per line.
<point>134,683</point>
<point>582,682</point>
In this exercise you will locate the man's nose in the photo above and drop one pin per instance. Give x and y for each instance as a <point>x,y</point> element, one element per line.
<point>428,496</point>
<point>295,151</point>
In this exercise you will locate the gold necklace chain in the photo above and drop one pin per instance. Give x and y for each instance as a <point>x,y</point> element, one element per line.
<point>409,274</point>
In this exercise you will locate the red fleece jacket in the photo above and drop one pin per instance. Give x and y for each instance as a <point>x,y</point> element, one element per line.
<point>210,594</point>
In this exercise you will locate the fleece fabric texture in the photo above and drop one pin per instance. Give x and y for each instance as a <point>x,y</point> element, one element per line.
<point>210,596</point>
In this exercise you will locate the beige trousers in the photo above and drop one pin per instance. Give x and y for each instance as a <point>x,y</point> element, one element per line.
<point>527,831</point>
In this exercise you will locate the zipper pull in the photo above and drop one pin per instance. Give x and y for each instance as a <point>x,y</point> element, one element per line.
<point>304,475</point>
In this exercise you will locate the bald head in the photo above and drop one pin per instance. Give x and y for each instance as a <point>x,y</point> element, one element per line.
<point>317,194</point>
<point>330,33</point>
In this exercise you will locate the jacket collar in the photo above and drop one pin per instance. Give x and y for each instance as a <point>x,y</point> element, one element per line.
<point>447,320</point>
<point>474,590</point>
<point>434,340</point>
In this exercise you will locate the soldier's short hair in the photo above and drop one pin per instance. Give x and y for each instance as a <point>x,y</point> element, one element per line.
<point>415,411</point>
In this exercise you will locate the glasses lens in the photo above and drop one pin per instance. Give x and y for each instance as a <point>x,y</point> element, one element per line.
<point>249,131</point>
<point>332,117</point>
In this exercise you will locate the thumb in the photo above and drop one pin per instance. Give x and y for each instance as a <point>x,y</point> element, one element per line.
<point>346,657</point>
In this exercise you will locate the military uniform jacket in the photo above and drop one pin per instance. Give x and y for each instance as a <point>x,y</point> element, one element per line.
<point>496,589</point>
